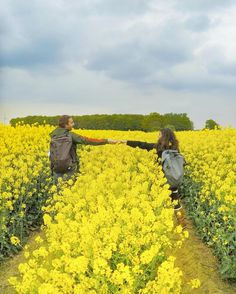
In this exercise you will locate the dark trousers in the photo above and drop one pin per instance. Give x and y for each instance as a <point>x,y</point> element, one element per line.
<point>65,176</point>
<point>175,196</point>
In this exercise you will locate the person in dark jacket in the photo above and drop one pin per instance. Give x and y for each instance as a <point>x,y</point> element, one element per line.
<point>167,140</point>
<point>65,126</point>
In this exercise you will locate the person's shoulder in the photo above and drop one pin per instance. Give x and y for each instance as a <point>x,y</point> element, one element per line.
<point>73,134</point>
<point>58,131</point>
<point>53,132</point>
<point>159,153</point>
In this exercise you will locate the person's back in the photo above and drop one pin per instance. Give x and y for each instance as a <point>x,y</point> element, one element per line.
<point>166,141</point>
<point>63,156</point>
<point>62,151</point>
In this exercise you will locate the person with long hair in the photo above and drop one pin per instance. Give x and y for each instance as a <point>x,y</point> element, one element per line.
<point>166,141</point>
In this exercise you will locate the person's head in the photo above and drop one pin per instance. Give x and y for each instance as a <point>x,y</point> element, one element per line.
<point>167,140</point>
<point>66,121</point>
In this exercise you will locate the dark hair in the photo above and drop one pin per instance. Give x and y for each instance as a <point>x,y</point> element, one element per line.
<point>167,141</point>
<point>63,121</point>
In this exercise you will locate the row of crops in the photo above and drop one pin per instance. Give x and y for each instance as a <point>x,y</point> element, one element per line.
<point>113,230</point>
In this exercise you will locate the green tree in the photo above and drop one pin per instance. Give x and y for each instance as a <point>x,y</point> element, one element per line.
<point>210,124</point>
<point>149,123</point>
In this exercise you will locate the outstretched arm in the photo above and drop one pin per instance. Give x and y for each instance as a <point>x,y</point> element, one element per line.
<point>142,145</point>
<point>77,139</point>
<point>92,141</point>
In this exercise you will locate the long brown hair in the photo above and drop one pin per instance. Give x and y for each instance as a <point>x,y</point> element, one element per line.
<point>167,140</point>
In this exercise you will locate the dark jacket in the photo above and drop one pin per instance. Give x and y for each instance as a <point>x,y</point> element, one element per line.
<point>144,145</point>
<point>77,139</point>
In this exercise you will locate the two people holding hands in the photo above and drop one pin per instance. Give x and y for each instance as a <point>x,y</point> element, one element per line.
<point>65,161</point>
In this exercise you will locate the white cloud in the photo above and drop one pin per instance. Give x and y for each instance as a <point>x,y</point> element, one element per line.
<point>109,56</point>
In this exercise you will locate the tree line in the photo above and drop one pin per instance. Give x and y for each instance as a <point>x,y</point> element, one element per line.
<point>148,123</point>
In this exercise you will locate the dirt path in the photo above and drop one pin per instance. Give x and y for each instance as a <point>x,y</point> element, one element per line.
<point>10,267</point>
<point>196,260</point>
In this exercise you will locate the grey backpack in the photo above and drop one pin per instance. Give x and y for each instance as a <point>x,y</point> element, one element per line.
<point>60,153</point>
<point>173,166</point>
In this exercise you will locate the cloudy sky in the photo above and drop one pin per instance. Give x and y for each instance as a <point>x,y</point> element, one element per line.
<point>126,56</point>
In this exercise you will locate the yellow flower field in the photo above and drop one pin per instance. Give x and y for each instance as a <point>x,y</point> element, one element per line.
<point>110,232</point>
<point>210,190</point>
<point>24,182</point>
<point>112,229</point>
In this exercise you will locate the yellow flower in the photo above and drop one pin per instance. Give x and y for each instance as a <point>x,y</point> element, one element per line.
<point>195,283</point>
<point>179,229</point>
<point>15,240</point>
